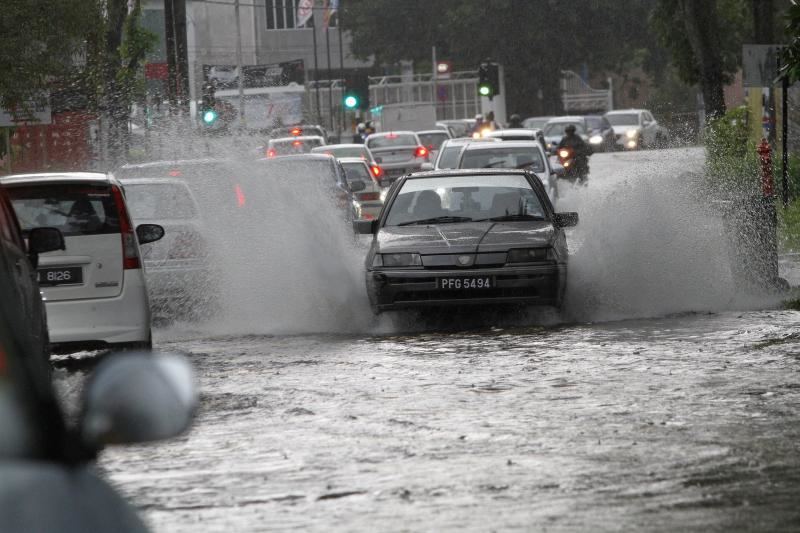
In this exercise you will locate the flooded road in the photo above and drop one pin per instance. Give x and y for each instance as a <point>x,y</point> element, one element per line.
<point>661,400</point>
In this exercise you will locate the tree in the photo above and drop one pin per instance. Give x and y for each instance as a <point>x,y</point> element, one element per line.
<point>791,54</point>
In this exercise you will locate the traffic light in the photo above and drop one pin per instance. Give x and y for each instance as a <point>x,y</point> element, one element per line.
<point>208,111</point>
<point>356,91</point>
<point>488,80</point>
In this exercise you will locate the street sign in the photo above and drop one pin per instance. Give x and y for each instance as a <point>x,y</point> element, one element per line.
<point>34,113</point>
<point>759,64</point>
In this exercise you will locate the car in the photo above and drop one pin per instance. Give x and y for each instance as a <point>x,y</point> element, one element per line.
<point>466,237</point>
<point>397,152</point>
<point>518,134</point>
<point>299,130</point>
<point>351,150</point>
<point>457,128</point>
<point>535,123</point>
<point>293,145</point>
<point>18,261</point>
<point>600,134</point>
<point>554,130</point>
<point>94,289</point>
<point>46,456</point>
<point>321,171</point>
<point>432,140</point>
<point>636,128</point>
<point>529,155</point>
<point>181,278</point>
<point>369,201</point>
<point>450,150</point>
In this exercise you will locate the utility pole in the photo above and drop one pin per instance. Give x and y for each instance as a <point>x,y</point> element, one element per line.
<point>177,54</point>
<point>239,66</point>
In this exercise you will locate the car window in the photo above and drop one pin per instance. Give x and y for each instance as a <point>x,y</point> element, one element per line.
<point>356,172</point>
<point>623,119</point>
<point>448,157</point>
<point>557,128</point>
<point>163,201</point>
<point>391,140</point>
<point>593,123</point>
<point>73,209</point>
<point>527,157</point>
<point>433,141</point>
<point>472,197</point>
<point>344,151</point>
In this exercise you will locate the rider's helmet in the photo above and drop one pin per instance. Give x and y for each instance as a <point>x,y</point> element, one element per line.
<point>361,128</point>
<point>570,129</point>
<point>478,117</point>
<point>515,118</point>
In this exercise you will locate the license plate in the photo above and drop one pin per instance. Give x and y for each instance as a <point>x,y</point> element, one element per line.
<point>60,276</point>
<point>456,284</point>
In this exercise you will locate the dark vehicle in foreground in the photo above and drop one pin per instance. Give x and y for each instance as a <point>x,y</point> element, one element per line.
<point>18,262</point>
<point>466,237</point>
<point>49,482</point>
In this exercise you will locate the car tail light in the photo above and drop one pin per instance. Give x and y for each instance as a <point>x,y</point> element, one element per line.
<point>296,131</point>
<point>271,152</point>
<point>421,152</point>
<point>297,143</point>
<point>175,173</point>
<point>376,171</point>
<point>368,196</point>
<point>130,249</point>
<point>187,245</point>
<point>240,198</point>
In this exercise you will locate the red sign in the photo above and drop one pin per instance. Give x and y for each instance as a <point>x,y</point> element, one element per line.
<point>156,71</point>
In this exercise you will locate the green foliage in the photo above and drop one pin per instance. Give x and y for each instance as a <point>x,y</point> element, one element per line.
<point>791,55</point>
<point>732,162</point>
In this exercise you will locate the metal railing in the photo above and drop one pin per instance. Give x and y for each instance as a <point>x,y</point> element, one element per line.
<point>577,95</point>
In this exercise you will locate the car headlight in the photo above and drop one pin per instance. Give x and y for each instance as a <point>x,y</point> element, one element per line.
<point>397,260</point>
<point>632,133</point>
<point>529,255</point>
<point>596,139</point>
<point>631,143</point>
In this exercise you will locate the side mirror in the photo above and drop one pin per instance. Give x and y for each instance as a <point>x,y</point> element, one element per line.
<point>357,186</point>
<point>41,240</point>
<point>138,397</point>
<point>365,227</point>
<point>147,233</point>
<point>566,220</point>
<point>426,166</point>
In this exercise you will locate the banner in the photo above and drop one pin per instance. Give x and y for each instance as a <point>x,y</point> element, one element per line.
<point>305,10</point>
<point>255,76</point>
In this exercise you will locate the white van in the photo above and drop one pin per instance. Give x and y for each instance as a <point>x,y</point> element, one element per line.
<point>94,290</point>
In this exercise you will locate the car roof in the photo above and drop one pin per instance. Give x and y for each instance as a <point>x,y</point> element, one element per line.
<point>300,157</point>
<point>352,160</point>
<point>568,118</point>
<point>623,111</point>
<point>174,163</point>
<point>154,181</point>
<point>504,144</point>
<point>514,131</point>
<point>443,173</point>
<point>341,145</point>
<point>62,177</point>
<point>429,132</point>
<point>385,133</point>
<point>466,140</point>
<point>297,138</point>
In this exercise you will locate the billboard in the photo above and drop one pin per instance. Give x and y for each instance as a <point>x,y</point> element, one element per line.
<point>255,76</point>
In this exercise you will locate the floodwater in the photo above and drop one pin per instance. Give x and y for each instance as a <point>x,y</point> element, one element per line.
<point>661,399</point>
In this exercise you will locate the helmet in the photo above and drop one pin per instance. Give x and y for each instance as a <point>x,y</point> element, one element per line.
<point>478,117</point>
<point>361,127</point>
<point>570,128</point>
<point>515,118</point>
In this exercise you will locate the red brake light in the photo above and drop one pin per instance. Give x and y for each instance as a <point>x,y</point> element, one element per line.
<point>174,173</point>
<point>369,196</point>
<point>271,152</point>
<point>421,151</point>
<point>130,249</point>
<point>240,199</point>
<point>391,136</point>
<point>297,143</point>
<point>296,131</point>
<point>377,171</point>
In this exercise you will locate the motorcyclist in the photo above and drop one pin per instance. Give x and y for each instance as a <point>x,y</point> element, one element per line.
<point>515,121</point>
<point>479,125</point>
<point>580,150</point>
<point>360,134</point>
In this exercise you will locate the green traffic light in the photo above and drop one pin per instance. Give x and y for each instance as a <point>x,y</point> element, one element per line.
<point>484,90</point>
<point>209,116</point>
<point>350,102</point>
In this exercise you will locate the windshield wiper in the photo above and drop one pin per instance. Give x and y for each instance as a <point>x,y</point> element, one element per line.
<point>507,218</point>
<point>529,163</point>
<point>434,220</point>
<point>491,165</point>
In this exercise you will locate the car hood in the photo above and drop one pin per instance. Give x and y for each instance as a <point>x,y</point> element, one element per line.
<point>464,237</point>
<point>621,130</point>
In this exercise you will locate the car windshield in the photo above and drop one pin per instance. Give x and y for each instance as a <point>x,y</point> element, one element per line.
<point>75,209</point>
<point>556,129</point>
<point>458,128</point>
<point>527,157</point>
<point>343,151</point>
<point>391,140</point>
<point>433,141</point>
<point>535,123</point>
<point>449,157</point>
<point>356,172</point>
<point>623,119</point>
<point>295,146</point>
<point>455,199</point>
<point>163,201</point>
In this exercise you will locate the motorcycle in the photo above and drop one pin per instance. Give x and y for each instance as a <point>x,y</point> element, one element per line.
<point>572,171</point>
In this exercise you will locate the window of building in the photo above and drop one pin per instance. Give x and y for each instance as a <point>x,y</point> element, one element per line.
<point>281,15</point>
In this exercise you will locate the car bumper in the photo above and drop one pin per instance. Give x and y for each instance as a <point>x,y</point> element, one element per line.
<point>122,319</point>
<point>402,289</point>
<point>627,143</point>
